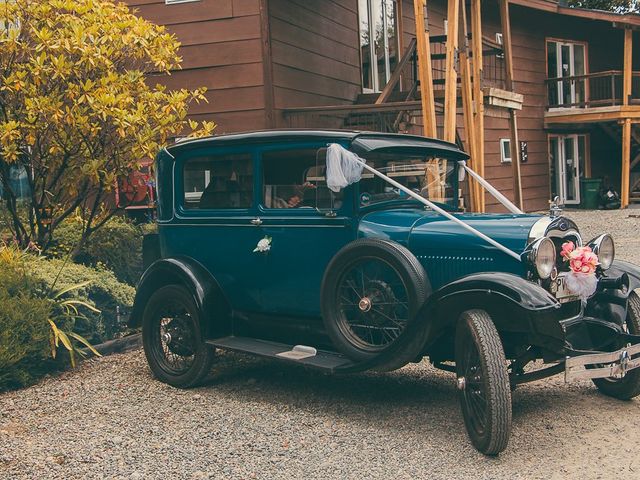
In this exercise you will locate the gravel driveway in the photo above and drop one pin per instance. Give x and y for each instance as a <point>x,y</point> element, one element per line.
<point>259,419</point>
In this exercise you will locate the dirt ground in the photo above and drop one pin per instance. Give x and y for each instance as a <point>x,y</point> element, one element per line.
<point>259,419</point>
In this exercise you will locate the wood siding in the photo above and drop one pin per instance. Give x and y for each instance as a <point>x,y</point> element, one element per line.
<point>306,53</point>
<point>530,71</point>
<point>221,50</point>
<point>315,52</point>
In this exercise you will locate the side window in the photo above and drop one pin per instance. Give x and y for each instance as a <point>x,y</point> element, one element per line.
<point>296,179</point>
<point>218,182</point>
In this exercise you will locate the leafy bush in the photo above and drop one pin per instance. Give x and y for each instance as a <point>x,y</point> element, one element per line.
<point>50,303</point>
<point>103,291</point>
<point>117,246</point>
<point>24,328</point>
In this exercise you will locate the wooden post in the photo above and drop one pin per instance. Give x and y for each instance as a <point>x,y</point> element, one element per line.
<point>424,70</point>
<point>478,97</point>
<point>469,128</point>
<point>467,110</point>
<point>628,69</point>
<point>626,155</point>
<point>451,79</point>
<point>513,120</point>
<point>626,126</point>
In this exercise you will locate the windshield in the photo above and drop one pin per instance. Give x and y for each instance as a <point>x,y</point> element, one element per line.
<point>432,177</point>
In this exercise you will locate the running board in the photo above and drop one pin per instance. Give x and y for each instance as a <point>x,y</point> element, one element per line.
<point>299,354</point>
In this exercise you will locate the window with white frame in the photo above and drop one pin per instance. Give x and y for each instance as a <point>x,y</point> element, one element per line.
<point>505,150</point>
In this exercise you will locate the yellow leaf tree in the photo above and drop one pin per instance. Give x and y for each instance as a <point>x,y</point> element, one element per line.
<point>79,107</point>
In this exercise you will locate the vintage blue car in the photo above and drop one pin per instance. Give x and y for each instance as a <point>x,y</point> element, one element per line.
<point>257,251</point>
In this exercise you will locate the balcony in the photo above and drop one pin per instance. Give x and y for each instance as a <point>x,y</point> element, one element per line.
<point>593,97</point>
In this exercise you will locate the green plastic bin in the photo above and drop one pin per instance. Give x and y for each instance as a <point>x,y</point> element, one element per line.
<point>590,193</point>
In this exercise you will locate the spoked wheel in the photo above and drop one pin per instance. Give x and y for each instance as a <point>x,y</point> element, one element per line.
<point>627,387</point>
<point>483,382</point>
<point>371,291</point>
<point>374,302</point>
<point>171,337</point>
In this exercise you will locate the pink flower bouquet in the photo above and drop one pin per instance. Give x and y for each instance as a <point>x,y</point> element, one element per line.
<point>583,262</point>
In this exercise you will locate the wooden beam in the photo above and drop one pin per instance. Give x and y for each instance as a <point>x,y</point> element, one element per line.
<point>505,22</point>
<point>468,113</point>
<point>626,154</point>
<point>593,115</point>
<point>267,66</point>
<point>395,76</point>
<point>451,77</point>
<point>628,70</point>
<point>513,120</point>
<point>478,94</point>
<point>424,69</point>
<point>470,130</point>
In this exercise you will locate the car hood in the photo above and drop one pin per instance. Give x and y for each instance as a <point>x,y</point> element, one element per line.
<point>444,246</point>
<point>417,227</point>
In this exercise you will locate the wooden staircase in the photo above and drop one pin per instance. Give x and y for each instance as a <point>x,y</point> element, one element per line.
<point>614,131</point>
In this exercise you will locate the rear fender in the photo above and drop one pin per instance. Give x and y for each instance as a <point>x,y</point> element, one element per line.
<point>215,310</point>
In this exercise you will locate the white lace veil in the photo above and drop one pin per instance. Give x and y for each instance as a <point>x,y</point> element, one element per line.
<point>342,167</point>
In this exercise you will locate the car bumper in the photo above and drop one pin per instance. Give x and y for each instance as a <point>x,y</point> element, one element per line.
<point>603,365</point>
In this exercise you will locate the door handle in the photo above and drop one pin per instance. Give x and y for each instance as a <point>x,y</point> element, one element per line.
<point>256,221</point>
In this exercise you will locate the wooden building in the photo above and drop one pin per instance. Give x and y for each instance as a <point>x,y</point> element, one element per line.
<point>562,77</point>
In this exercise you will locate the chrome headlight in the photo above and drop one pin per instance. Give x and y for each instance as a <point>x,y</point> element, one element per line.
<point>605,249</point>
<point>543,257</point>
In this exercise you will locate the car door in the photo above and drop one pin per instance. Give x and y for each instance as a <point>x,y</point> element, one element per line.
<point>306,224</point>
<point>213,212</point>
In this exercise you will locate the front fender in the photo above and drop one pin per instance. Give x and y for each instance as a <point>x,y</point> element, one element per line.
<point>618,267</point>
<point>515,304</point>
<point>510,287</point>
<point>611,304</point>
<point>187,272</point>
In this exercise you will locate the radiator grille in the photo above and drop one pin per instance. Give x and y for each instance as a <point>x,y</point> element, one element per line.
<point>446,268</point>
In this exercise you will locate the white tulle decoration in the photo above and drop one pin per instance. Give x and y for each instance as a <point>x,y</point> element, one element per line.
<point>342,170</point>
<point>582,284</point>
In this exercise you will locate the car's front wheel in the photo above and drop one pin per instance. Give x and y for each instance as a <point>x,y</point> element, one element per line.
<point>483,382</point>
<point>627,387</point>
<point>171,338</point>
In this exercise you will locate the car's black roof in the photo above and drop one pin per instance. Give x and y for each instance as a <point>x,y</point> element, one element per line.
<point>270,136</point>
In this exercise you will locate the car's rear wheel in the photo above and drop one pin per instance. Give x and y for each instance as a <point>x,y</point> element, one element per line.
<point>627,387</point>
<point>171,338</point>
<point>371,291</point>
<point>483,382</point>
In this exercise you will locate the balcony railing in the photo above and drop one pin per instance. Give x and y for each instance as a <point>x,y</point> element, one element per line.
<point>600,89</point>
<point>390,117</point>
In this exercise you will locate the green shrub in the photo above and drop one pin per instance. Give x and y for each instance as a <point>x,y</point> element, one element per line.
<point>117,245</point>
<point>35,290</point>
<point>24,327</point>
<point>103,291</point>
<point>24,338</point>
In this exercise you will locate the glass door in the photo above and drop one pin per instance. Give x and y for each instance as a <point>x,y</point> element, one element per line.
<point>567,162</point>
<point>566,61</point>
<point>378,42</point>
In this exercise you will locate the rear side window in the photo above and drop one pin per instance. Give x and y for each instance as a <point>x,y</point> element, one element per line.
<point>218,182</point>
